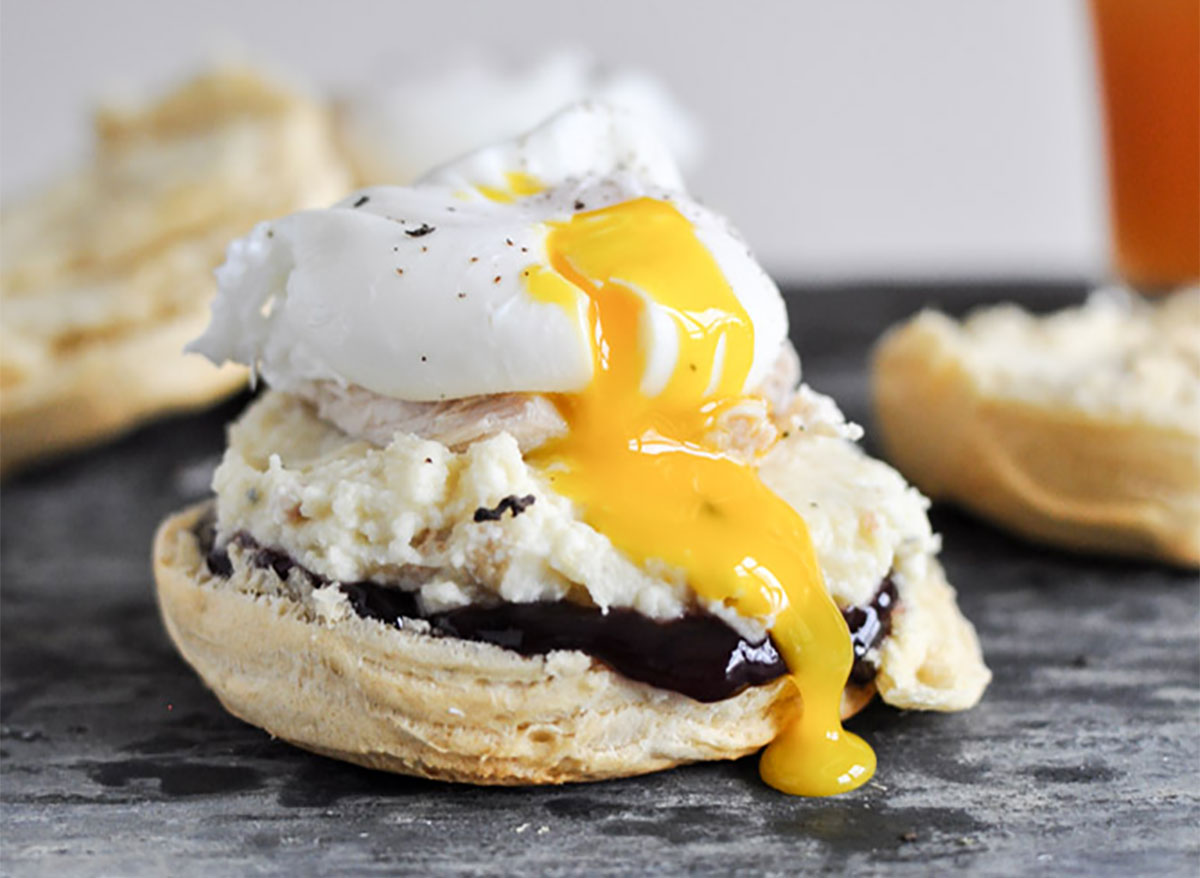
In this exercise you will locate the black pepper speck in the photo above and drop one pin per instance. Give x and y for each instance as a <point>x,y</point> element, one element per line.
<point>512,503</point>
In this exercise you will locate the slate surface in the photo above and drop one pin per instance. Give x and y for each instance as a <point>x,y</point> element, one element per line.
<point>1084,757</point>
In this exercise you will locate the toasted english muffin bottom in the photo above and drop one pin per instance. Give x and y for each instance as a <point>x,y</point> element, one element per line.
<point>300,664</point>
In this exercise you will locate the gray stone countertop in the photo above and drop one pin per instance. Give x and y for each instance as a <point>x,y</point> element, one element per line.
<point>1083,758</point>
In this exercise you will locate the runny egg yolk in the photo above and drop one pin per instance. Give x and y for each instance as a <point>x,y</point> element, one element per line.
<point>643,474</point>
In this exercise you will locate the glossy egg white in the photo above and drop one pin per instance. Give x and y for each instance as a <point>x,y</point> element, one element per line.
<point>419,293</point>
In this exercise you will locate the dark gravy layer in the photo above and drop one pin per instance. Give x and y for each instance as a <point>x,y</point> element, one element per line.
<point>697,655</point>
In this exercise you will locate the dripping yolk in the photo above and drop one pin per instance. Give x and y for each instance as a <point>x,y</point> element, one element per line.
<point>640,469</point>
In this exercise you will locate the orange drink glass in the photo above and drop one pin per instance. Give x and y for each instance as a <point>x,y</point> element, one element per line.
<point>1149,54</point>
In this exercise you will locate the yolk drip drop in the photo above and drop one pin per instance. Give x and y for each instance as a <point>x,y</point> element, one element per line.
<point>644,476</point>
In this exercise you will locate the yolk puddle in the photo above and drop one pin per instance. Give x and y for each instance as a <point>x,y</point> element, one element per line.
<point>644,476</point>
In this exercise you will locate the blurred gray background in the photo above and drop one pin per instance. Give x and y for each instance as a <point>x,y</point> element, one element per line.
<point>930,139</point>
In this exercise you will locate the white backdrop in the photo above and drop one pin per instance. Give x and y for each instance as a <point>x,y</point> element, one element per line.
<point>857,139</point>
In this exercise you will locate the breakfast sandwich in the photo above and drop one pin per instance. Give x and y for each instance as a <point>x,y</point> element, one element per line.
<point>108,273</point>
<point>1079,429</point>
<point>536,495</point>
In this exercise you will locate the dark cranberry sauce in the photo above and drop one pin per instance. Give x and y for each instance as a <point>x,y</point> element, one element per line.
<point>697,655</point>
